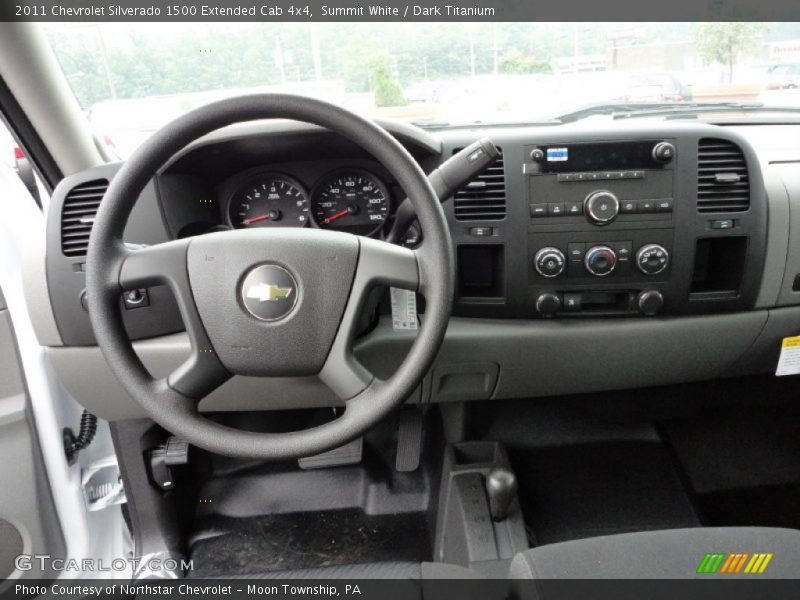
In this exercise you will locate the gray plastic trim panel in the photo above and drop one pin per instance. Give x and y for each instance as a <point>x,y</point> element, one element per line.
<point>534,358</point>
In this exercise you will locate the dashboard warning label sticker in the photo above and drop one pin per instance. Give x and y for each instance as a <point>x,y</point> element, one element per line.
<point>404,309</point>
<point>789,361</point>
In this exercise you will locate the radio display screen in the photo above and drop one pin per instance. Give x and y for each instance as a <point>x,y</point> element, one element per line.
<point>597,156</point>
<point>557,154</point>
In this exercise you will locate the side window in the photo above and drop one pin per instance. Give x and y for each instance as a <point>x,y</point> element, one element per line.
<point>12,155</point>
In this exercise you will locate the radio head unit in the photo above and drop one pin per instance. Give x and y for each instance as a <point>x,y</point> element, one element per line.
<point>601,156</point>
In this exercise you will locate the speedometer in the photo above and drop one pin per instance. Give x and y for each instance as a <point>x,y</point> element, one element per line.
<point>270,200</point>
<point>352,201</point>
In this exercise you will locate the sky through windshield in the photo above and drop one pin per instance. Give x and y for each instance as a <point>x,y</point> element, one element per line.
<point>132,78</point>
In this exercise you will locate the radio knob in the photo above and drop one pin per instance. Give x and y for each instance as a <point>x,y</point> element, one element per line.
<point>652,259</point>
<point>650,302</point>
<point>548,304</point>
<point>549,262</point>
<point>601,207</point>
<point>600,260</point>
<point>663,152</point>
<point>537,155</point>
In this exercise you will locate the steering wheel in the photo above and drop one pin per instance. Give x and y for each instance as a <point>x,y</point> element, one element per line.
<point>268,302</point>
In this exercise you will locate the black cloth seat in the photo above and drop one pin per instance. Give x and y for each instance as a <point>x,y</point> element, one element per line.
<point>668,554</point>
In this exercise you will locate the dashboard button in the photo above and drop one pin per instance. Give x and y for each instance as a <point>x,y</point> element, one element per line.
<point>627,206</point>
<point>624,250</point>
<point>664,205</point>
<point>572,302</point>
<point>574,208</point>
<point>538,210</point>
<point>537,154</point>
<point>645,206</point>
<point>575,251</point>
<point>722,224</point>
<point>481,231</point>
<point>556,209</point>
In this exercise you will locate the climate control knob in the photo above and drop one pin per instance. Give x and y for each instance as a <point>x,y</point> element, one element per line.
<point>601,207</point>
<point>600,260</point>
<point>549,262</point>
<point>652,259</point>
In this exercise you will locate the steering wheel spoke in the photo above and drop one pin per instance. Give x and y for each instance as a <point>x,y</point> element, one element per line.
<point>165,264</point>
<point>379,263</point>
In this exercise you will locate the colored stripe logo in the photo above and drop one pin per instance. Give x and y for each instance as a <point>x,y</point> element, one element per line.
<point>734,563</point>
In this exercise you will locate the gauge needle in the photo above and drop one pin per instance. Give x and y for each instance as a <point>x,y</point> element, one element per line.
<point>335,216</point>
<point>256,219</point>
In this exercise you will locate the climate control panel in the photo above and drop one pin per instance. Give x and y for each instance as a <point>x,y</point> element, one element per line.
<point>586,273</point>
<point>600,259</point>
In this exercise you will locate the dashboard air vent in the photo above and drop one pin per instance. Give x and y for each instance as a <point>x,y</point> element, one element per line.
<point>77,216</point>
<point>722,181</point>
<point>483,198</point>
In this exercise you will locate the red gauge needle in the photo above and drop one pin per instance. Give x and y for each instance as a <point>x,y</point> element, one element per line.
<point>335,216</point>
<point>256,219</point>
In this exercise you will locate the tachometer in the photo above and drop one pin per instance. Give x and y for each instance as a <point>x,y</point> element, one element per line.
<point>352,201</point>
<point>270,201</point>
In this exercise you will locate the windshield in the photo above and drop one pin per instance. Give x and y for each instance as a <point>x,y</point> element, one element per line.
<point>131,79</point>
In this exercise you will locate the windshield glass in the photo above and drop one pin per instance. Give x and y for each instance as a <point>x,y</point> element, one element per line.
<point>133,78</point>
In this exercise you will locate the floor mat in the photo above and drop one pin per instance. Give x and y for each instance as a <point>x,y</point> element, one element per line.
<point>748,448</point>
<point>587,490</point>
<point>765,506</point>
<point>226,546</point>
<point>743,466</point>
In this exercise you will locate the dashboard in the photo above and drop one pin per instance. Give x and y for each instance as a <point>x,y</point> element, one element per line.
<point>596,255</point>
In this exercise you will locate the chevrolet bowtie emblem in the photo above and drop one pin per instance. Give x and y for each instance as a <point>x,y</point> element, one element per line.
<point>268,292</point>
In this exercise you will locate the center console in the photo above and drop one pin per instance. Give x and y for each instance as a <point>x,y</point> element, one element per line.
<point>601,216</point>
<point>662,221</point>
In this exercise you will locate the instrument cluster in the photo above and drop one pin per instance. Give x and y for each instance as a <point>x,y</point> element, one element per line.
<point>351,200</point>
